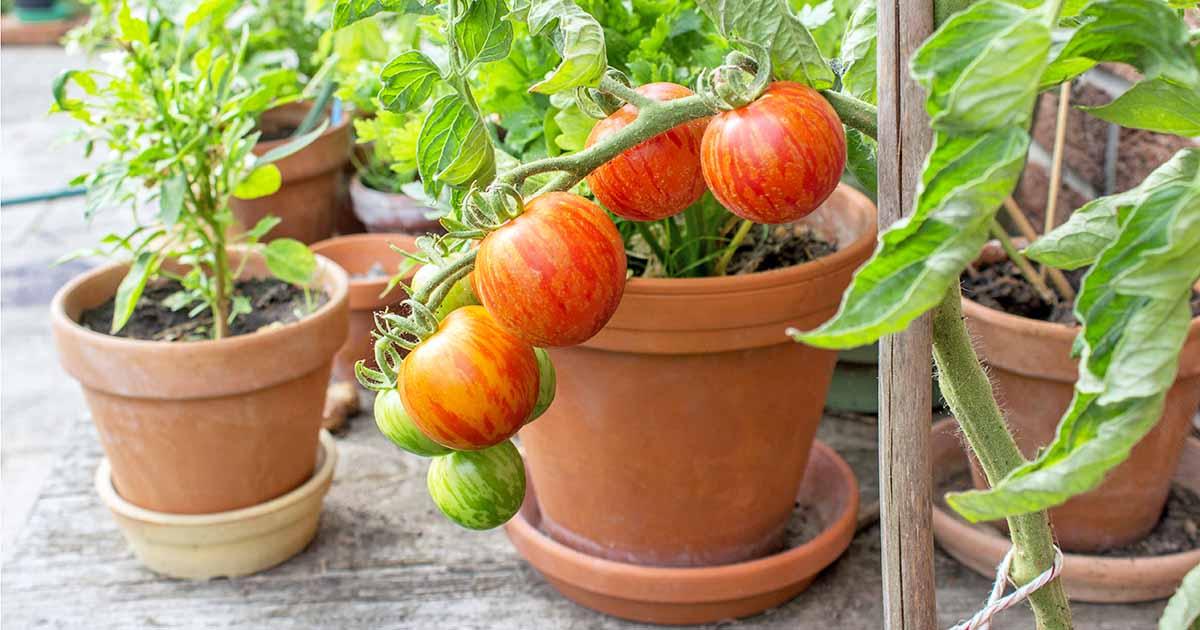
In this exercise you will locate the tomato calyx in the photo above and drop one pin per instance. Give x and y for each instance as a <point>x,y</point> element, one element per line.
<point>739,81</point>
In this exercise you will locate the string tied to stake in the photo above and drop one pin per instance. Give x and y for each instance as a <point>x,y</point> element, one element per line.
<point>998,601</point>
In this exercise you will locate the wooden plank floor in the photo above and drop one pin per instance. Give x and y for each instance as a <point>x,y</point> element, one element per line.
<point>384,558</point>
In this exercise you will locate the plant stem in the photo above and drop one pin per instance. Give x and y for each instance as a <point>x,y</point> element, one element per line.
<point>614,87</point>
<point>1065,290</point>
<point>220,309</point>
<point>1022,263</point>
<point>727,255</point>
<point>443,276</point>
<point>968,391</point>
<point>854,113</point>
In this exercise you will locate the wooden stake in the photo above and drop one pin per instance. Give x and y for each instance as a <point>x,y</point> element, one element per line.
<point>1027,230</point>
<point>1060,136</point>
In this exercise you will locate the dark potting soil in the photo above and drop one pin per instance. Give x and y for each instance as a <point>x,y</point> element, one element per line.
<point>277,132</point>
<point>778,246</point>
<point>1002,287</point>
<point>1176,532</point>
<point>272,301</point>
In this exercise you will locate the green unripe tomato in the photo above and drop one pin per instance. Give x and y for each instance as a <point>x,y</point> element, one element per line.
<point>395,423</point>
<point>547,384</point>
<point>478,489</point>
<point>460,294</point>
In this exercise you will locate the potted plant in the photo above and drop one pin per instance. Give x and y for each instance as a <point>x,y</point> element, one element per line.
<point>385,192</point>
<point>204,359</point>
<point>655,373</point>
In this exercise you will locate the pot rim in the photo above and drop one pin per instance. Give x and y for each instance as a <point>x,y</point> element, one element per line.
<point>1037,327</point>
<point>59,317</point>
<point>327,458</point>
<point>267,145</point>
<point>364,237</point>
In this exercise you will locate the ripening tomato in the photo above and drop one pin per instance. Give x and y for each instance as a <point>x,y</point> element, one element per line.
<point>547,384</point>
<point>659,177</point>
<point>460,294</point>
<point>471,384</point>
<point>555,274</point>
<point>394,422</point>
<point>776,159</point>
<point>478,489</point>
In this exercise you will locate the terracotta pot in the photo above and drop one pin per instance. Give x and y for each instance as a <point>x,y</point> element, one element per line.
<point>357,254</point>
<point>204,426</point>
<point>679,434</point>
<point>314,180</point>
<point>390,212</point>
<point>1034,377</point>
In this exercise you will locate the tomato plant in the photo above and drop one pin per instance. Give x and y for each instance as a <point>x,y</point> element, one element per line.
<point>461,293</point>
<point>659,177</point>
<point>478,489</point>
<point>554,275</point>
<point>777,158</point>
<point>393,421</point>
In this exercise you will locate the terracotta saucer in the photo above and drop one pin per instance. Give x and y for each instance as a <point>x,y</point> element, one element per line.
<point>702,594</point>
<point>1099,579</point>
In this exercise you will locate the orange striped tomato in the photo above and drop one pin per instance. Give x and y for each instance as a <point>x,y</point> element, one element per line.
<point>776,159</point>
<point>659,177</point>
<point>555,274</point>
<point>471,384</point>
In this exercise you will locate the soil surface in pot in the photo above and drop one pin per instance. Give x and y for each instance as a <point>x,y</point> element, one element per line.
<point>781,246</point>
<point>1178,530</point>
<point>1001,286</point>
<point>276,131</point>
<point>272,301</point>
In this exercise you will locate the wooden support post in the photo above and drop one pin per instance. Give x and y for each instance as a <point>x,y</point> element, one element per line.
<point>905,364</point>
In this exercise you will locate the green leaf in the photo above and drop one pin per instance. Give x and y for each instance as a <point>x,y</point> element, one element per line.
<point>981,67</point>
<point>347,12</point>
<point>1092,227</point>
<point>1134,307</point>
<point>579,39</point>
<point>144,266</point>
<point>408,81</point>
<point>170,200</point>
<point>918,258</point>
<point>1184,607</point>
<point>795,55</point>
<point>292,146</point>
<point>264,225</point>
<point>1155,105</point>
<point>262,181</point>
<point>861,160</point>
<point>1146,34</point>
<point>858,54</point>
<point>290,261</point>
<point>573,127</point>
<point>453,147</point>
<point>82,78</point>
<point>482,33</point>
<point>132,29</point>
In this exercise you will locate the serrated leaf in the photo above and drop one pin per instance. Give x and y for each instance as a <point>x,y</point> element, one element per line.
<point>453,146</point>
<point>1154,105</point>
<point>347,12</point>
<point>131,29</point>
<point>132,285</point>
<point>262,181</point>
<point>170,200</point>
<point>795,55</point>
<point>408,81</point>
<point>861,160</point>
<point>290,261</point>
<point>858,54</point>
<point>482,33</point>
<point>1183,609</point>
<point>578,37</point>
<point>1093,226</point>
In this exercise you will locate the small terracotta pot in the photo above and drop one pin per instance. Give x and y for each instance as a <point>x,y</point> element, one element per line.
<point>680,432</point>
<point>1034,378</point>
<point>390,212</point>
<point>204,426</point>
<point>314,180</point>
<point>357,254</point>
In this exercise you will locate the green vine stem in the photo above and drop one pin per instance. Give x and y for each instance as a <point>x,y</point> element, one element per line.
<point>854,113</point>
<point>968,391</point>
<point>727,255</point>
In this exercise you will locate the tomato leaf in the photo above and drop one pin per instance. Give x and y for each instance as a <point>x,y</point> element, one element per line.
<point>858,54</point>
<point>1183,609</point>
<point>290,261</point>
<point>482,33</point>
<point>1093,226</point>
<point>131,288</point>
<point>1155,105</point>
<point>861,160</point>
<point>795,55</point>
<point>408,81</point>
<point>1135,313</point>
<point>579,39</point>
<point>347,12</point>
<point>453,146</point>
<point>262,181</point>
<point>170,200</point>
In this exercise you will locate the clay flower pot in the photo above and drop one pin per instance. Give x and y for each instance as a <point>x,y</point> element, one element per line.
<point>390,212</point>
<point>1034,377</point>
<point>314,179</point>
<point>357,254</point>
<point>681,431</point>
<point>204,426</point>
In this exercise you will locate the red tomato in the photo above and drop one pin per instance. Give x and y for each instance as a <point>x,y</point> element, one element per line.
<point>659,177</point>
<point>776,159</point>
<point>554,275</point>
<point>471,384</point>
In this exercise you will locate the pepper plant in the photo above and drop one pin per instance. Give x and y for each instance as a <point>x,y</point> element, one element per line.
<point>179,130</point>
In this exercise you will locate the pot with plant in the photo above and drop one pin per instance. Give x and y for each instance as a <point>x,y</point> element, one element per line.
<point>648,376</point>
<point>204,359</point>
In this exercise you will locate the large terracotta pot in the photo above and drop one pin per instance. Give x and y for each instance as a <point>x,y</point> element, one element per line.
<point>1034,378</point>
<point>680,432</point>
<point>314,180</point>
<point>390,212</point>
<point>204,426</point>
<point>357,254</point>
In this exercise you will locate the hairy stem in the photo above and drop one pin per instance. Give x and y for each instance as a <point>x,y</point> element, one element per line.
<point>968,391</point>
<point>452,271</point>
<point>854,113</point>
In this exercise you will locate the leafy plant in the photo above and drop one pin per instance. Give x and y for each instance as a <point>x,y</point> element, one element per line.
<point>179,130</point>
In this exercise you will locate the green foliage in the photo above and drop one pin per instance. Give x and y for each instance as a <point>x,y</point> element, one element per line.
<point>453,147</point>
<point>1183,610</point>
<point>408,81</point>
<point>392,161</point>
<point>578,37</point>
<point>795,55</point>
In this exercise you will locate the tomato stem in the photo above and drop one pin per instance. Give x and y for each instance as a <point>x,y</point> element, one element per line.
<point>854,113</point>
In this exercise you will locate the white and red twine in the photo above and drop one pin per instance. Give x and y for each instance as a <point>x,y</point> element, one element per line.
<point>997,601</point>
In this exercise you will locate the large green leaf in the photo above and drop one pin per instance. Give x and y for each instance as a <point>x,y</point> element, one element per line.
<point>795,55</point>
<point>347,12</point>
<point>1135,311</point>
<point>1093,226</point>
<point>290,261</point>
<point>453,147</point>
<point>408,81</point>
<point>579,39</point>
<point>482,33</point>
<point>858,54</point>
<point>1155,105</point>
<point>1183,609</point>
